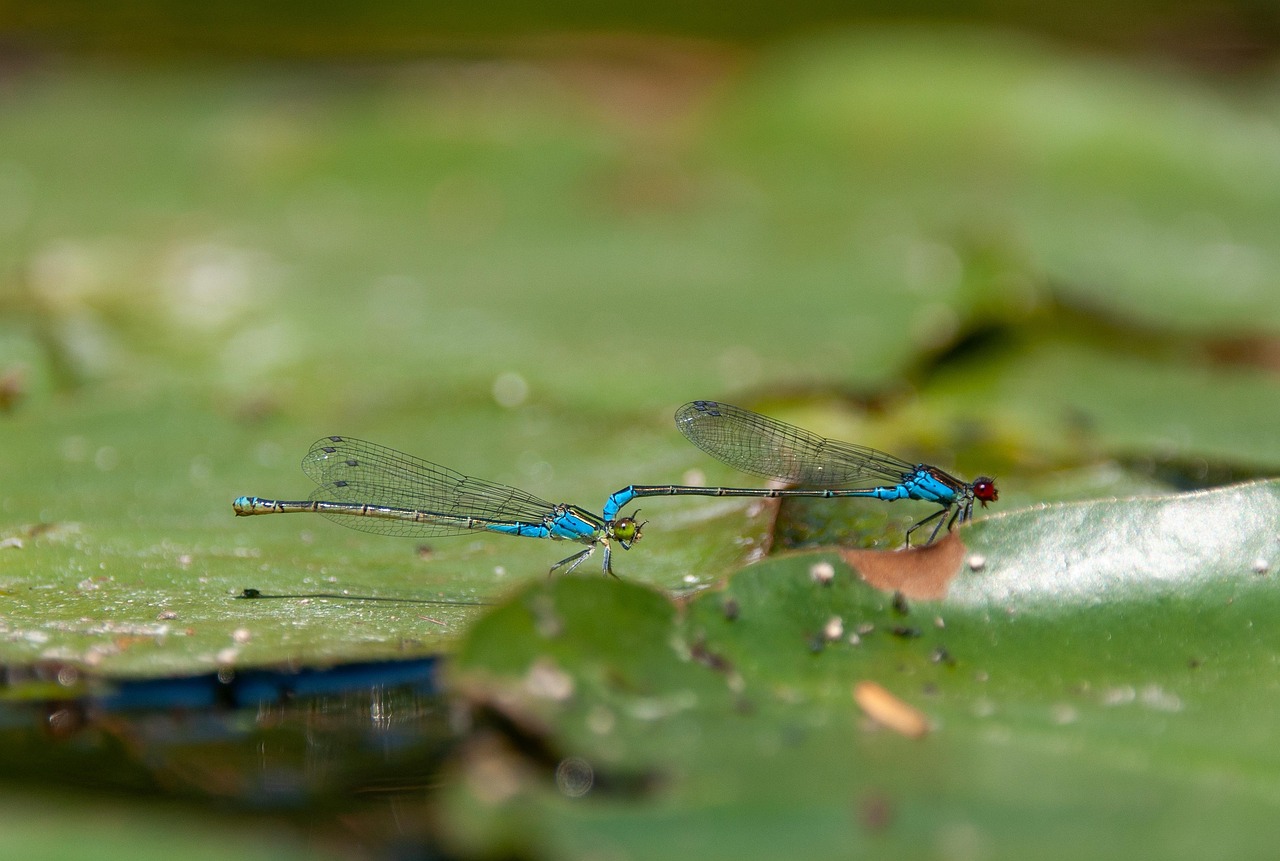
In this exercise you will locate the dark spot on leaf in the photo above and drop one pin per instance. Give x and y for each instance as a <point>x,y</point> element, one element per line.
<point>875,812</point>
<point>12,388</point>
<point>700,653</point>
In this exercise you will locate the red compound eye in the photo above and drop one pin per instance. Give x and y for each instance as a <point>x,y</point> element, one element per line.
<point>984,489</point>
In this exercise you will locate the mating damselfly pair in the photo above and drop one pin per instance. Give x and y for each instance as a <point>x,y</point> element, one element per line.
<point>377,489</point>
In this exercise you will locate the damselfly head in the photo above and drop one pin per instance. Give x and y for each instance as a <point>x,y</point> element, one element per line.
<point>627,531</point>
<point>984,490</point>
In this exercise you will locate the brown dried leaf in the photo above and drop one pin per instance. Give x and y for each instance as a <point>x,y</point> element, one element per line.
<point>920,573</point>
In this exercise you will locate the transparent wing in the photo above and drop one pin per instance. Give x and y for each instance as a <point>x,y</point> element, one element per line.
<point>356,471</point>
<point>763,446</point>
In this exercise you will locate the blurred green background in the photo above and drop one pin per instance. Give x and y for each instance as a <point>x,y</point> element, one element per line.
<point>1040,242</point>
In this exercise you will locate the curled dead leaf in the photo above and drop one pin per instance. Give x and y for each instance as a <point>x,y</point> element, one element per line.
<point>919,573</point>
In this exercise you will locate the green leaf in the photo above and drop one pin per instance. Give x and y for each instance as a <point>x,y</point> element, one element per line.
<point>1107,659</point>
<point>1213,543</point>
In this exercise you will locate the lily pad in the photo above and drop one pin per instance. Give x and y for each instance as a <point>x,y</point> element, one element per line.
<point>1136,671</point>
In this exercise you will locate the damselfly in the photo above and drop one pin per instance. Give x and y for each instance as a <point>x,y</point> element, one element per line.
<point>377,489</point>
<point>818,467</point>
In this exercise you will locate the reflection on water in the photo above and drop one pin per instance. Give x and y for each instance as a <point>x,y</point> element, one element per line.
<point>348,753</point>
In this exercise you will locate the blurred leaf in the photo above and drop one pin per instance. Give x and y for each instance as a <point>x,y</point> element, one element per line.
<point>1143,192</point>
<point>107,830</point>
<point>1076,402</point>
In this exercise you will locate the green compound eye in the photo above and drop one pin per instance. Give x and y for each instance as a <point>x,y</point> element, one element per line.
<point>627,531</point>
